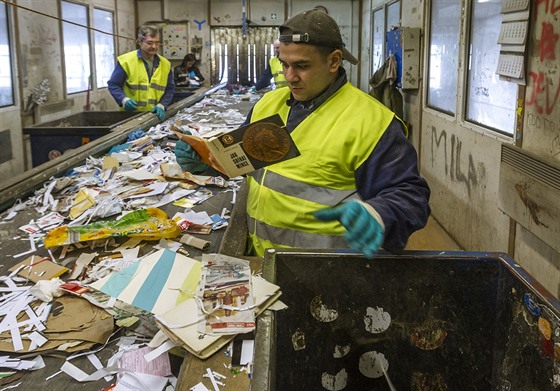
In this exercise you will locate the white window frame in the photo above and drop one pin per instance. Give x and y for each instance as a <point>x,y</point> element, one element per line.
<point>104,64</point>
<point>376,62</point>
<point>7,67</point>
<point>92,74</point>
<point>462,88</point>
<point>76,71</point>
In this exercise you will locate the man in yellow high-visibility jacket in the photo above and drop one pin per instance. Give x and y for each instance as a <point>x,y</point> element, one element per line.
<point>356,183</point>
<point>142,79</point>
<point>272,72</point>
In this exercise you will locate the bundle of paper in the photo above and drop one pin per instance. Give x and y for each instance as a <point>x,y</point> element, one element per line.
<point>182,323</point>
<point>246,148</point>
<point>166,284</point>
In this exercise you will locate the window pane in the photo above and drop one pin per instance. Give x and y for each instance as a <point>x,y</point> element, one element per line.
<point>104,46</point>
<point>491,101</point>
<point>444,55</point>
<point>378,39</point>
<point>6,81</point>
<point>393,15</point>
<point>76,47</point>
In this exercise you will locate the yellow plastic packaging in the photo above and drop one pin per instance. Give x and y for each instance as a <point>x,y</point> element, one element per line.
<point>146,224</point>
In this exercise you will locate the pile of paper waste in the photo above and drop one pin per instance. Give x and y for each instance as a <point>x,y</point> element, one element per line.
<point>104,278</point>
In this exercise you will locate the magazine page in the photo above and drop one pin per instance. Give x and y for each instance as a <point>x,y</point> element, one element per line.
<point>225,293</point>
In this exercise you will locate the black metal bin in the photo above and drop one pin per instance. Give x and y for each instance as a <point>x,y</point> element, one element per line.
<point>53,137</point>
<point>432,321</point>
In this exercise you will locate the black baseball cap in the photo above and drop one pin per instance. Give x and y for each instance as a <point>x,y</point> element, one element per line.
<point>315,27</point>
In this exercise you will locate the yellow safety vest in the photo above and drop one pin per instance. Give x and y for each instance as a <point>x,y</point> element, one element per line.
<point>334,140</point>
<point>277,72</point>
<point>146,92</point>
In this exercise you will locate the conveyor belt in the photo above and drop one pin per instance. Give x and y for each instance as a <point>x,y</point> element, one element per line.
<point>30,180</point>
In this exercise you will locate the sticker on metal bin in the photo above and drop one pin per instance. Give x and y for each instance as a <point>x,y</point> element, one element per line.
<point>298,340</point>
<point>334,382</point>
<point>321,312</point>
<point>376,320</point>
<point>531,304</point>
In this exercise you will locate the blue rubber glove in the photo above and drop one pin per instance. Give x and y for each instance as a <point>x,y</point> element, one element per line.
<point>135,135</point>
<point>159,111</point>
<point>187,157</point>
<point>363,232</point>
<point>130,105</point>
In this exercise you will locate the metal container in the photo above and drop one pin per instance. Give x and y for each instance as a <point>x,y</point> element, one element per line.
<point>49,139</point>
<point>430,320</point>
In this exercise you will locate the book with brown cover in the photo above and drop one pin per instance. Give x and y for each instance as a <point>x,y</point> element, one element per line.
<point>246,148</point>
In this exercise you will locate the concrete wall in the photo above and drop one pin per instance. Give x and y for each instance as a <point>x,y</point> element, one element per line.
<point>541,131</point>
<point>462,161</point>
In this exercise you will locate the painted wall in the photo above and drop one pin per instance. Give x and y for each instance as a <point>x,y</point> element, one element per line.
<point>462,161</point>
<point>260,13</point>
<point>541,130</point>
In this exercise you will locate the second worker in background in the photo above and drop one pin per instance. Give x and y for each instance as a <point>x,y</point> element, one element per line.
<point>142,79</point>
<point>187,73</point>
<point>272,72</point>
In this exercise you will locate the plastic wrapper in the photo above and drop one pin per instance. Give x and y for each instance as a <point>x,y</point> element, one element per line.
<point>146,224</point>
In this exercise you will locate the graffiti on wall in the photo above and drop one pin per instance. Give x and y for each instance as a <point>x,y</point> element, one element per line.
<point>458,168</point>
<point>543,87</point>
<point>546,124</point>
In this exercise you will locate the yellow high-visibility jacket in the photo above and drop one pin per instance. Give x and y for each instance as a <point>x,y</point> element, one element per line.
<point>277,72</point>
<point>146,92</point>
<point>334,140</point>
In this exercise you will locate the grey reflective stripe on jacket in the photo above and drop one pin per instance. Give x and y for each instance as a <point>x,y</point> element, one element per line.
<point>318,194</point>
<point>137,87</point>
<point>157,87</point>
<point>291,238</point>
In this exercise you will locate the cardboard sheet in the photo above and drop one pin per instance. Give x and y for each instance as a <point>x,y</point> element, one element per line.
<point>71,320</point>
<point>36,268</point>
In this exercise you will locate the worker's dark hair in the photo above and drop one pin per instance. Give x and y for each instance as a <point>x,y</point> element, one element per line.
<point>187,58</point>
<point>324,51</point>
<point>145,30</point>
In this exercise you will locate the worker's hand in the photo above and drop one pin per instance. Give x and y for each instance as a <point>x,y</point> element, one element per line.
<point>364,232</point>
<point>130,105</point>
<point>187,157</point>
<point>159,111</point>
